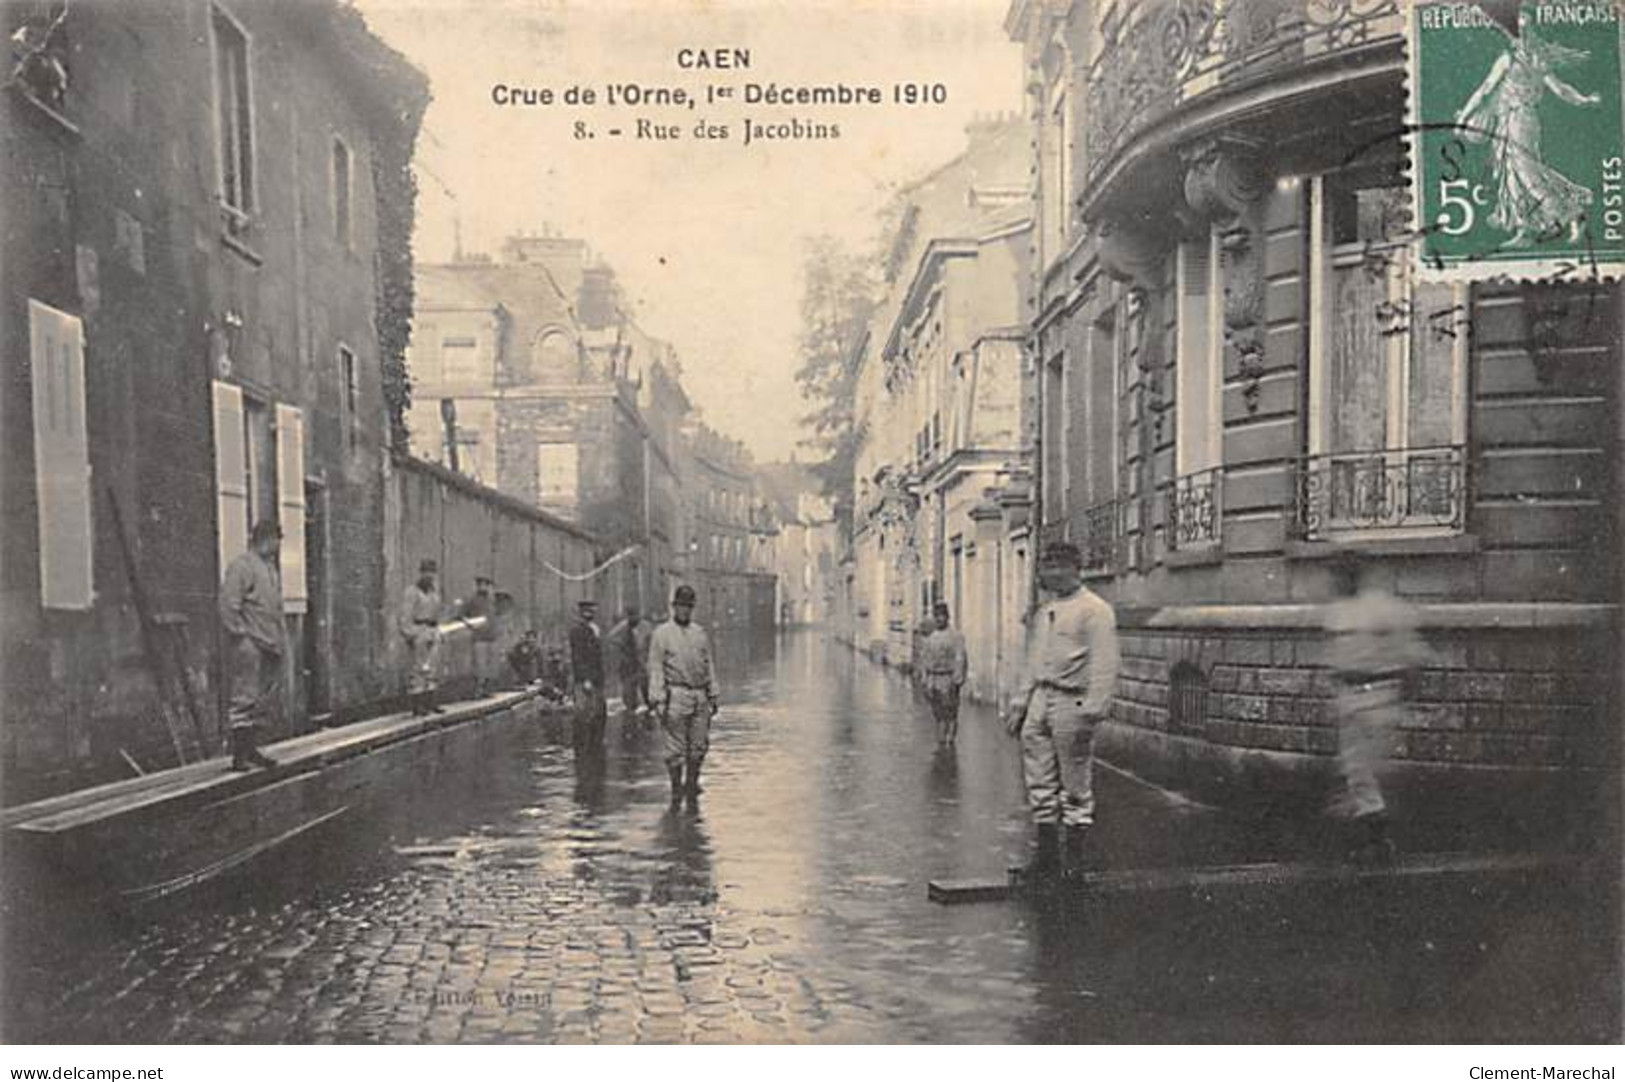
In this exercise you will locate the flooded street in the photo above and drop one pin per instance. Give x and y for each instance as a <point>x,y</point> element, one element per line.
<point>541,899</point>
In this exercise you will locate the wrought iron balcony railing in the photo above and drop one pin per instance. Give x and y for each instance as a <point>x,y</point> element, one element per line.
<point>1164,53</point>
<point>1195,511</point>
<point>1399,490</point>
<point>1101,533</point>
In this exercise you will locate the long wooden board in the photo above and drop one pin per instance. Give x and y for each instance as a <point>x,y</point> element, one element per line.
<point>1134,881</point>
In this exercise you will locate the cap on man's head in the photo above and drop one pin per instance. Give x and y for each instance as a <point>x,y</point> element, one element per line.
<point>485,579</point>
<point>940,606</point>
<point>1061,554</point>
<point>684,595</point>
<point>428,567</point>
<point>265,529</point>
<point>586,603</point>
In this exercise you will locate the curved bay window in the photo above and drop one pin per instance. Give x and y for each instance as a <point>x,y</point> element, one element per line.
<point>1387,373</point>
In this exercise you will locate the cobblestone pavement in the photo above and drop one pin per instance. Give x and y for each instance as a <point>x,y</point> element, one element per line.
<point>549,900</point>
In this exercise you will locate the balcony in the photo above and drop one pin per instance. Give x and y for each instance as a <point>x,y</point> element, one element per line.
<point>1194,512</point>
<point>1161,55</point>
<point>1395,492</point>
<point>1097,532</point>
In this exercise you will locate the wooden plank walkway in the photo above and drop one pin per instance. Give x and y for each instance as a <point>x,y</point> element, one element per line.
<point>1142,881</point>
<point>214,779</point>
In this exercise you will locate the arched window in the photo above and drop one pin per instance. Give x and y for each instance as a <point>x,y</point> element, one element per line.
<point>554,358</point>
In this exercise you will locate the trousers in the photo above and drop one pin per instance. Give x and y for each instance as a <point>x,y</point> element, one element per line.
<point>687,726</point>
<point>1058,758</point>
<point>256,679</point>
<point>943,695</point>
<point>1366,715</point>
<point>591,716</point>
<point>424,644</point>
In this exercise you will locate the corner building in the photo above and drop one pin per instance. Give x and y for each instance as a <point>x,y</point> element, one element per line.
<point>1238,377</point>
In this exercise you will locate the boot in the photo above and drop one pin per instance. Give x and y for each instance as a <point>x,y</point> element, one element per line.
<point>1371,843</point>
<point>244,755</point>
<point>431,703</point>
<point>676,773</point>
<point>1045,867</point>
<point>693,791</point>
<point>1081,856</point>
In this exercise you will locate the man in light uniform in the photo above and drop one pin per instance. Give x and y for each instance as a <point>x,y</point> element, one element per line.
<point>1372,645</point>
<point>1071,673</point>
<point>683,688</point>
<point>251,616</point>
<point>943,665</point>
<point>482,607</point>
<point>420,627</point>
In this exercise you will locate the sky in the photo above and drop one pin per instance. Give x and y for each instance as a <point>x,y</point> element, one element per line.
<point>706,236</point>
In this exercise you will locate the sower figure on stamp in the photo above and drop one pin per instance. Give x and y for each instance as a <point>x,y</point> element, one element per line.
<point>1071,673</point>
<point>683,687</point>
<point>420,627</point>
<point>943,665</point>
<point>1372,646</point>
<point>587,676</point>
<point>251,616</point>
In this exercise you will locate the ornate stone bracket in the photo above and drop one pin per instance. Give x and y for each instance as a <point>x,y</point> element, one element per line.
<point>1225,185</point>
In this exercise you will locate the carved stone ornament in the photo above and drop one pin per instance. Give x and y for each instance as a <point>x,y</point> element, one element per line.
<point>1132,252</point>
<point>1224,179</point>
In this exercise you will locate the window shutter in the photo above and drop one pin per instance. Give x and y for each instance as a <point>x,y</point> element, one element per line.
<point>290,483</point>
<point>230,473</point>
<point>61,458</point>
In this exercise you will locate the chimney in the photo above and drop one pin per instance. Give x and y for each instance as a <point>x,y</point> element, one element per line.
<point>598,301</point>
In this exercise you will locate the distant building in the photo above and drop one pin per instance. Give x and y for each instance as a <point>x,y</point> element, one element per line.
<point>206,201</point>
<point>529,376</point>
<point>939,485</point>
<point>807,544</point>
<point>730,533</point>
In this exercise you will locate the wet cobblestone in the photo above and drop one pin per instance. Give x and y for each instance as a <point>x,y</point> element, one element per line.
<point>554,901</point>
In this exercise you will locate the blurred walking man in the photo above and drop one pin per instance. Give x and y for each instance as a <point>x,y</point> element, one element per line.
<point>1372,645</point>
<point>683,686</point>
<point>629,642</point>
<point>1071,673</point>
<point>943,665</point>
<point>587,674</point>
<point>420,627</point>
<point>251,616</point>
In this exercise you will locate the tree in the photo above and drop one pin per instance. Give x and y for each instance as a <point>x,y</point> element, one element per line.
<point>837,302</point>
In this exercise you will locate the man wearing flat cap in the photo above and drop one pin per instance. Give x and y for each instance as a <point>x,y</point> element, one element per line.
<point>683,689</point>
<point>420,627</point>
<point>1071,673</point>
<point>587,674</point>
<point>251,617</point>
<point>480,611</point>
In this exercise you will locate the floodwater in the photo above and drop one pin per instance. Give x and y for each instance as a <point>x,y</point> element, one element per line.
<point>536,897</point>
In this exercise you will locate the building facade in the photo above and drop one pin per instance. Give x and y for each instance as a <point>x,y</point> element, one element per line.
<point>806,548</point>
<point>203,221</point>
<point>944,412</point>
<point>1240,377</point>
<point>730,533</point>
<point>528,376</point>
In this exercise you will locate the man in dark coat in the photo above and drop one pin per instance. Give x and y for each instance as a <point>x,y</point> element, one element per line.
<point>587,674</point>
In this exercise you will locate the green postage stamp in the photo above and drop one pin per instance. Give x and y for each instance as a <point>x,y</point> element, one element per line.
<point>1517,139</point>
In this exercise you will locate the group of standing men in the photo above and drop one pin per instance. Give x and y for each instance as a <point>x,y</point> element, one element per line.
<point>669,671</point>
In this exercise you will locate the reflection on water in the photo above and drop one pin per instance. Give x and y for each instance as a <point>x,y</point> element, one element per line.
<point>792,905</point>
